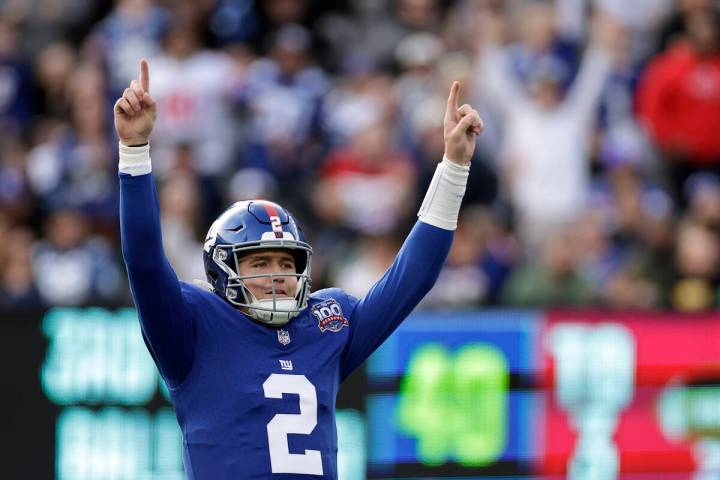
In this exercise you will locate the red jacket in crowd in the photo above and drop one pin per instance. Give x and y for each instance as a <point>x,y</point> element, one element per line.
<point>679,99</point>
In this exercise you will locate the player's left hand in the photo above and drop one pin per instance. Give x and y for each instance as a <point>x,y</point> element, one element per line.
<point>462,125</point>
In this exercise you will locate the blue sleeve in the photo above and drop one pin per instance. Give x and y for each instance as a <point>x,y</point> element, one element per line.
<point>395,295</point>
<point>166,316</point>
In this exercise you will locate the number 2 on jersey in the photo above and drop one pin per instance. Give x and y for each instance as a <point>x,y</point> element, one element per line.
<point>282,424</point>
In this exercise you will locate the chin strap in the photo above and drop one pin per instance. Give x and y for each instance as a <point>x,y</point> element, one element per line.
<point>270,311</point>
<point>262,311</point>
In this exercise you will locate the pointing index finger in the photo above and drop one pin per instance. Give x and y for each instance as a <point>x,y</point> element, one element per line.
<point>452,102</point>
<point>144,75</point>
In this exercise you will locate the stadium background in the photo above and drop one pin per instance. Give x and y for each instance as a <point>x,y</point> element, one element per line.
<point>572,331</point>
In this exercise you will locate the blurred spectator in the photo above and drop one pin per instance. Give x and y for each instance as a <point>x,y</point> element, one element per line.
<point>629,289</point>
<point>360,36</point>
<point>620,276</point>
<point>462,283</point>
<point>283,97</point>
<point>479,262</point>
<point>53,69</point>
<point>15,83</point>
<point>643,19</point>
<point>547,31</point>
<point>73,267</point>
<point>18,288</point>
<point>274,15</point>
<point>636,216</point>
<point>15,195</point>
<point>373,29</point>
<point>697,261</point>
<point>336,109</point>
<point>193,87</point>
<point>536,30</point>
<point>365,264</point>
<point>625,146</point>
<point>703,193</point>
<point>641,211</point>
<point>679,99</point>
<point>75,166</point>
<point>370,167</point>
<point>674,28</point>
<point>617,109</point>
<point>597,257</point>
<point>250,183</point>
<point>42,22</point>
<point>133,29</point>
<point>234,21</point>
<point>180,210</point>
<point>545,154</point>
<point>417,54</point>
<point>553,281</point>
<point>363,96</point>
<point>418,15</point>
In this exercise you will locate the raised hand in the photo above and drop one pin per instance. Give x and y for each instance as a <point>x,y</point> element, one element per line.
<point>607,32</point>
<point>462,125</point>
<point>135,111</point>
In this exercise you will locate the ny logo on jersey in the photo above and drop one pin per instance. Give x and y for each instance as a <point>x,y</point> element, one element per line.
<point>283,336</point>
<point>329,316</point>
<point>286,364</point>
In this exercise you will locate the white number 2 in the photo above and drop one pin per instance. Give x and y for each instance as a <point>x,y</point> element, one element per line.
<point>281,460</point>
<point>276,223</point>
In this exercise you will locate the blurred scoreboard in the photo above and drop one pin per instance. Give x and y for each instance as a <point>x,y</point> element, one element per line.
<point>547,395</point>
<point>454,394</point>
<point>495,394</point>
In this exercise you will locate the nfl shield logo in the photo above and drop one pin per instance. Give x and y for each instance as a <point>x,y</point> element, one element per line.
<point>283,336</point>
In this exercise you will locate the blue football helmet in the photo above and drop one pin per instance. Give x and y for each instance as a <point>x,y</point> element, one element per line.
<point>254,225</point>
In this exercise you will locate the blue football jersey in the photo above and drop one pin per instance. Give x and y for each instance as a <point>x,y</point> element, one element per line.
<point>254,401</point>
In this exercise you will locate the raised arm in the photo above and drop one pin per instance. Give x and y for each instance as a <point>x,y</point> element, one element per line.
<point>165,315</point>
<point>584,93</point>
<point>418,264</point>
<point>495,82</point>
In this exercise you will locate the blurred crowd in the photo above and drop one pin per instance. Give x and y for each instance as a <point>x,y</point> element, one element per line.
<point>596,183</point>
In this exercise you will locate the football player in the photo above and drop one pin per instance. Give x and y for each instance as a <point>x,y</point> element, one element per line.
<point>253,363</point>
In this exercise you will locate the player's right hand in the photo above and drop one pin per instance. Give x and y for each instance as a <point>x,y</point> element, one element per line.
<point>135,111</point>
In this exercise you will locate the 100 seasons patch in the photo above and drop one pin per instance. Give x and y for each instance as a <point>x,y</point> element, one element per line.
<point>329,316</point>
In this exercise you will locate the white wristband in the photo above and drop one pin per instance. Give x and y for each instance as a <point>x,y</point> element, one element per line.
<point>134,161</point>
<point>442,200</point>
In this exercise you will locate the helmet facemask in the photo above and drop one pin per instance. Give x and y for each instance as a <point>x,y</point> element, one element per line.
<point>276,311</point>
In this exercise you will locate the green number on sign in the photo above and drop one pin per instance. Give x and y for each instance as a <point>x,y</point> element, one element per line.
<point>456,405</point>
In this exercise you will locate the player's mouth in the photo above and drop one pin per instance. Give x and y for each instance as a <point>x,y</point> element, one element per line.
<point>278,291</point>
